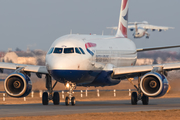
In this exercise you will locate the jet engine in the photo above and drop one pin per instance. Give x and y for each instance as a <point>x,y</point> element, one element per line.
<point>154,84</point>
<point>159,30</point>
<point>131,29</point>
<point>17,85</point>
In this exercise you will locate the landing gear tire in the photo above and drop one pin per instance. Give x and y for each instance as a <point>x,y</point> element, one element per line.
<point>67,101</point>
<point>45,99</point>
<point>73,101</point>
<point>56,98</point>
<point>145,100</point>
<point>134,98</point>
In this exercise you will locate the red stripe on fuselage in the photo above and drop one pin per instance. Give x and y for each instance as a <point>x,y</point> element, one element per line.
<point>88,45</point>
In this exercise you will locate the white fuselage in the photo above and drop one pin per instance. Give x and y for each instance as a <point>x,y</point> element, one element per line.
<point>139,33</point>
<point>101,53</point>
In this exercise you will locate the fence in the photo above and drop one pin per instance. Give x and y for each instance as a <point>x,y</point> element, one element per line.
<point>78,94</point>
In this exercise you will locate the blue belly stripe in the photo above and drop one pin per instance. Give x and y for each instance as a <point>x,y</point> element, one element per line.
<point>84,77</point>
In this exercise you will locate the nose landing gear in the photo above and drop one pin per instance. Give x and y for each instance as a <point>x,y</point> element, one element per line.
<point>70,99</point>
<point>147,34</point>
<point>54,96</point>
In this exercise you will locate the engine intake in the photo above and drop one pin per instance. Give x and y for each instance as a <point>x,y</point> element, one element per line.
<point>17,85</point>
<point>154,84</point>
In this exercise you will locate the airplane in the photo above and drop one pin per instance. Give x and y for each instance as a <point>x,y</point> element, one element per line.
<point>141,28</point>
<point>92,60</point>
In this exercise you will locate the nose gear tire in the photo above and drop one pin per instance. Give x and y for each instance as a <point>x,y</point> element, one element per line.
<point>73,101</point>
<point>67,101</point>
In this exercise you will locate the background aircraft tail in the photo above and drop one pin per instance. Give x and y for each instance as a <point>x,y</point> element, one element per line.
<point>123,19</point>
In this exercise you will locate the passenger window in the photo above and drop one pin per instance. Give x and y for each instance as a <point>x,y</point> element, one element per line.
<point>82,50</point>
<point>68,50</point>
<point>58,50</point>
<point>77,51</point>
<point>50,51</point>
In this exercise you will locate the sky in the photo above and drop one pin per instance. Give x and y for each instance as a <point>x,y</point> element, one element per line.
<point>37,23</point>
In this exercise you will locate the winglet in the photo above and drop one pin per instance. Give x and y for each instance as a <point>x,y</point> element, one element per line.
<point>123,19</point>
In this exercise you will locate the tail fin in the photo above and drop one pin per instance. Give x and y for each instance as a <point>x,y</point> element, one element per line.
<point>123,19</point>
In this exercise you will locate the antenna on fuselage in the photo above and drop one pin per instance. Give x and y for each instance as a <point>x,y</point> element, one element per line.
<point>71,31</point>
<point>103,32</point>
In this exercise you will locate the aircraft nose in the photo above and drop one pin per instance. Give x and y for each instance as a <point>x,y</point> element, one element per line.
<point>64,68</point>
<point>59,63</point>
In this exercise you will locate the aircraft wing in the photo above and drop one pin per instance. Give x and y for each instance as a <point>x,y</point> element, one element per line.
<point>28,68</point>
<point>131,26</point>
<point>155,48</point>
<point>134,71</point>
<point>153,27</point>
<point>115,27</point>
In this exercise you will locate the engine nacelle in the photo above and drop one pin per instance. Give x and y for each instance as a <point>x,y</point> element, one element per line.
<point>154,84</point>
<point>160,30</point>
<point>17,85</point>
<point>131,29</point>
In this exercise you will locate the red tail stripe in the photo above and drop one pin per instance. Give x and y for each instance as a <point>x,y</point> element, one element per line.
<point>123,30</point>
<point>124,4</point>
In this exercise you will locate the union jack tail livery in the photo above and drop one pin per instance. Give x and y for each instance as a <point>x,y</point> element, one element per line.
<point>123,20</point>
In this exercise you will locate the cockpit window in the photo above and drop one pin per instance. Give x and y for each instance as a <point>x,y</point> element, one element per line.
<point>50,50</point>
<point>58,50</point>
<point>68,50</point>
<point>77,50</point>
<point>82,50</point>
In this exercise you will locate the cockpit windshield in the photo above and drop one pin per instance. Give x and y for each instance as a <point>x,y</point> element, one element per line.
<point>68,50</point>
<point>50,50</point>
<point>82,50</point>
<point>58,50</point>
<point>77,50</point>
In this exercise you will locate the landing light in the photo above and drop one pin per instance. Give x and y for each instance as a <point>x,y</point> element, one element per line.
<point>67,85</point>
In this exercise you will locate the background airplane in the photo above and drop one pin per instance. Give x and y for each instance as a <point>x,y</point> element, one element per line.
<point>92,60</point>
<point>141,28</point>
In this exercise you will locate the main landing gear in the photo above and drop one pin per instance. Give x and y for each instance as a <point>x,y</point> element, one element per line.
<point>135,96</point>
<point>70,99</point>
<point>147,34</point>
<point>50,95</point>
